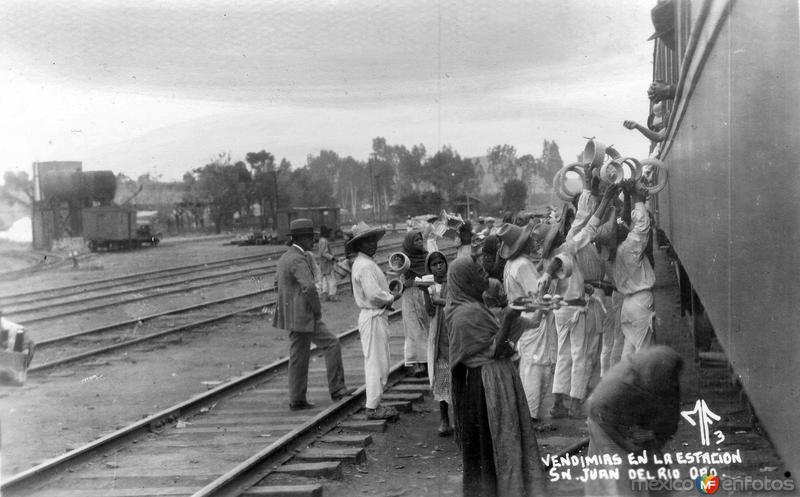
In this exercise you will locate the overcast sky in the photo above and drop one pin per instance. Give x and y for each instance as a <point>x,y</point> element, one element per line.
<point>162,87</point>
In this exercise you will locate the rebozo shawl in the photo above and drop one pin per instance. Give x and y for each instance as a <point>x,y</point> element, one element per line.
<point>471,325</point>
<point>415,255</point>
<point>472,329</point>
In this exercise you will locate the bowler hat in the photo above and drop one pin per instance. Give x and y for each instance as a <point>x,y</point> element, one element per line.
<point>513,238</point>
<point>301,226</point>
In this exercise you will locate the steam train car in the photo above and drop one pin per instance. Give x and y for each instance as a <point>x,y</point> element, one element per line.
<point>730,210</point>
<point>114,227</point>
<point>320,216</point>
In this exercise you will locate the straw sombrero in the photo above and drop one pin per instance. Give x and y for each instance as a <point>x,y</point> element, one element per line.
<point>363,231</point>
<point>513,238</point>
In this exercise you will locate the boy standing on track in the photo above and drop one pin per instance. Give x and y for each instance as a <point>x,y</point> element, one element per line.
<point>298,310</point>
<point>372,296</point>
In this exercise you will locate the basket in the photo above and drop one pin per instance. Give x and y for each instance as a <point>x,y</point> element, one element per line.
<point>399,262</point>
<point>396,287</point>
<point>655,169</point>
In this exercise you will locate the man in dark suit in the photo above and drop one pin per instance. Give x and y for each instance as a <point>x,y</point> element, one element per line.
<point>298,310</point>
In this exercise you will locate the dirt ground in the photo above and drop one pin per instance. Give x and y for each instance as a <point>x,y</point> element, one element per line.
<point>59,410</point>
<point>56,412</point>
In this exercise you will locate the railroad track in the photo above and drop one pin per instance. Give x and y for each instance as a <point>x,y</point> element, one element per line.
<point>81,345</point>
<point>21,299</point>
<point>79,293</point>
<point>101,295</point>
<point>223,441</point>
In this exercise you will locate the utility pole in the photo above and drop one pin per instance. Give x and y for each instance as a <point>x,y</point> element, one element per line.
<point>372,158</point>
<point>275,199</point>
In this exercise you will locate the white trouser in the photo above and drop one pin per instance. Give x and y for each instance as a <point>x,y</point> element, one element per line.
<point>373,328</point>
<point>573,366</point>
<point>613,339</point>
<point>537,354</point>
<point>636,321</point>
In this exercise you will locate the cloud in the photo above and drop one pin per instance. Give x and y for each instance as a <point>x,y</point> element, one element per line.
<point>134,86</point>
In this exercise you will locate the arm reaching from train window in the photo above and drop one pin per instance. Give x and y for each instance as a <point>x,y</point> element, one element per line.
<point>659,90</point>
<point>655,136</point>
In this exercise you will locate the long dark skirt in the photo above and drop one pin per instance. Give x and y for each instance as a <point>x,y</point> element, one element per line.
<point>472,432</point>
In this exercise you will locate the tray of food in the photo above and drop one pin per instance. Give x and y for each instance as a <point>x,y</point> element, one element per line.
<point>530,304</point>
<point>426,280</point>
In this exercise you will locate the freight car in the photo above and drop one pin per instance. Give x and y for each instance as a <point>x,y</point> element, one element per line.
<point>114,227</point>
<point>730,211</point>
<point>327,216</point>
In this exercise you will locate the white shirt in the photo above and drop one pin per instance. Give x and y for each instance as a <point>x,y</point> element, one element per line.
<point>632,271</point>
<point>370,287</point>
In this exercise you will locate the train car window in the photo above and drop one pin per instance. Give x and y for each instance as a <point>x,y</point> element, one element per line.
<point>672,24</point>
<point>663,16</point>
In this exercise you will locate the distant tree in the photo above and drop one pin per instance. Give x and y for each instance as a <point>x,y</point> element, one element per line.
<point>515,195</point>
<point>410,175</point>
<point>447,172</point>
<point>283,182</point>
<point>263,187</point>
<point>324,166</point>
<point>353,184</point>
<point>503,163</point>
<point>551,160</point>
<point>383,165</point>
<point>308,190</point>
<point>222,186</point>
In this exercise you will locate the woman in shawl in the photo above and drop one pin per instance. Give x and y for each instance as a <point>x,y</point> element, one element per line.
<point>415,305</point>
<point>635,407</point>
<point>492,425</point>
<point>438,341</point>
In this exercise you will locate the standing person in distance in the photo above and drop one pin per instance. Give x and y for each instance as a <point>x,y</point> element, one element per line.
<point>438,341</point>
<point>372,296</point>
<point>464,240</point>
<point>326,262</point>
<point>415,304</point>
<point>298,310</point>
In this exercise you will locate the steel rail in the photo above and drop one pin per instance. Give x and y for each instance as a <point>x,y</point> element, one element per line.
<point>113,304</point>
<point>51,467</point>
<point>143,338</point>
<point>148,317</point>
<point>153,336</point>
<point>248,473</point>
<point>226,278</point>
<point>135,276</point>
<point>37,295</point>
<point>110,285</point>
